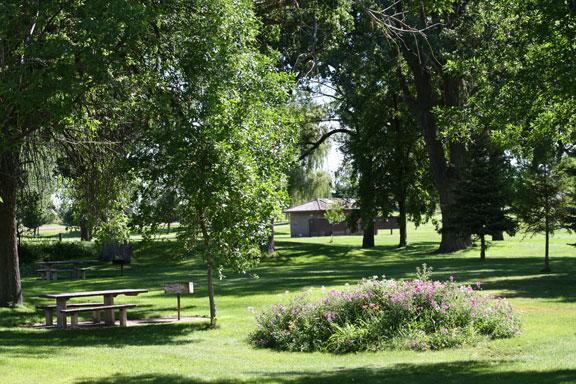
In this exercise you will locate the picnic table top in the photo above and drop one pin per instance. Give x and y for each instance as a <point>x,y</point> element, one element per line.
<point>70,295</point>
<point>67,262</point>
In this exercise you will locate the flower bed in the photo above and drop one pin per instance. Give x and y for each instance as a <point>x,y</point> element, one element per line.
<point>379,314</point>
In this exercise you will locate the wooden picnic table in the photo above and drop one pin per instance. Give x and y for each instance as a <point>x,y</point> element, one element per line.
<point>109,295</point>
<point>50,272</point>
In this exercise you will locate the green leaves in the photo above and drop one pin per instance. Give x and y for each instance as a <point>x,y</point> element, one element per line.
<point>223,138</point>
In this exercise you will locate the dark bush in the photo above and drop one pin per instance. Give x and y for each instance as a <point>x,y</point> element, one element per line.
<point>44,251</point>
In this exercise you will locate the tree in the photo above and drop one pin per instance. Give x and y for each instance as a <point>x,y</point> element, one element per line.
<point>306,178</point>
<point>436,44</point>
<point>541,197</point>
<point>53,60</point>
<point>334,214</point>
<point>220,135</point>
<point>483,197</point>
<point>33,210</point>
<point>569,217</point>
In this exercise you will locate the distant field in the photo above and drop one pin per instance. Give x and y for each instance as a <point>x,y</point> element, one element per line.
<point>545,353</point>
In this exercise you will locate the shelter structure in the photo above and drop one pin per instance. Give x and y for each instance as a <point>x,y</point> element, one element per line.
<point>307,220</point>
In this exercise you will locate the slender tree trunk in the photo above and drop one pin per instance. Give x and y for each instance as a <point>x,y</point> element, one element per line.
<point>10,283</point>
<point>547,245</point>
<point>482,247</point>
<point>168,228</point>
<point>271,244</point>
<point>547,225</point>
<point>498,236</point>
<point>402,221</point>
<point>368,236</point>
<point>210,272</point>
<point>211,295</point>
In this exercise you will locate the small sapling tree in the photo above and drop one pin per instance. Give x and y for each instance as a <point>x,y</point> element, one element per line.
<point>334,214</point>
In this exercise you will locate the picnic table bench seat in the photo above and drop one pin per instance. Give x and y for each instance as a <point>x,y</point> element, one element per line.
<point>122,308</point>
<point>108,307</point>
<point>49,309</point>
<point>52,274</point>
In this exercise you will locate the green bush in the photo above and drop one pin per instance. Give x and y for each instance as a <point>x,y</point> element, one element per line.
<point>379,314</point>
<point>45,251</point>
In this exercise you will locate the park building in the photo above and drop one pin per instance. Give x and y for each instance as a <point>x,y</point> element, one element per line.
<point>308,220</point>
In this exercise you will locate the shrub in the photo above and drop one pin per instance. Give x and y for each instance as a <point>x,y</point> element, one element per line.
<point>379,314</point>
<point>44,251</point>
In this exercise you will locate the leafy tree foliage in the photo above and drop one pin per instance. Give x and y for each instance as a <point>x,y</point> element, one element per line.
<point>54,58</point>
<point>34,210</point>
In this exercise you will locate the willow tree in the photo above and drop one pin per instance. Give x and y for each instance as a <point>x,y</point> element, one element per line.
<point>222,139</point>
<point>53,57</point>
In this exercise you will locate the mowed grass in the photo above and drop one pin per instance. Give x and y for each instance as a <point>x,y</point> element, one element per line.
<point>191,353</point>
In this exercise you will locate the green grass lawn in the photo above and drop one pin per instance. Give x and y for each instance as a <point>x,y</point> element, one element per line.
<point>190,353</point>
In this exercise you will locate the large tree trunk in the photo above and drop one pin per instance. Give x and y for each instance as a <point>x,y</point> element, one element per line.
<point>444,175</point>
<point>85,230</point>
<point>444,169</point>
<point>10,284</point>
<point>368,237</point>
<point>402,221</point>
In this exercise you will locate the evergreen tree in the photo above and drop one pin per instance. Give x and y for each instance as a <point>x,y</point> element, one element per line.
<point>482,198</point>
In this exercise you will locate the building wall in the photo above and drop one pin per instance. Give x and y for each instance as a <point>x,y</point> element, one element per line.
<point>300,223</point>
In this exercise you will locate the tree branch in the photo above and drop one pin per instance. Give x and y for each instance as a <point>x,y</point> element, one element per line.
<point>322,139</point>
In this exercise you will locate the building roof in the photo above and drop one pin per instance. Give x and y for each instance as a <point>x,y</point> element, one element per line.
<point>321,205</point>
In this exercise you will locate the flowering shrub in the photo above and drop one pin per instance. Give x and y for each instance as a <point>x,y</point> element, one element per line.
<point>380,313</point>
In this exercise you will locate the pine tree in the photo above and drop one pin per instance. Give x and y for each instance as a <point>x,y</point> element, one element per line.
<point>483,196</point>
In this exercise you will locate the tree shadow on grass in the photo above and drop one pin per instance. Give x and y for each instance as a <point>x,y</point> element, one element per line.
<point>444,373</point>
<point>31,342</point>
<point>512,276</point>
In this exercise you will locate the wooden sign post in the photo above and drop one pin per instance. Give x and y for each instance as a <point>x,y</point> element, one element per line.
<point>178,289</point>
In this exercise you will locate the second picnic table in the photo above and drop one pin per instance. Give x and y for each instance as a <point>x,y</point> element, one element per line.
<point>107,306</point>
<point>50,272</point>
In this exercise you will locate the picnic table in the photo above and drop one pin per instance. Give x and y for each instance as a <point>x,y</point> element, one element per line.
<point>49,269</point>
<point>108,306</point>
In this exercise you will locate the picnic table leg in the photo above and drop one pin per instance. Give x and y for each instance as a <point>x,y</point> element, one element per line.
<point>61,317</point>
<point>109,313</point>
